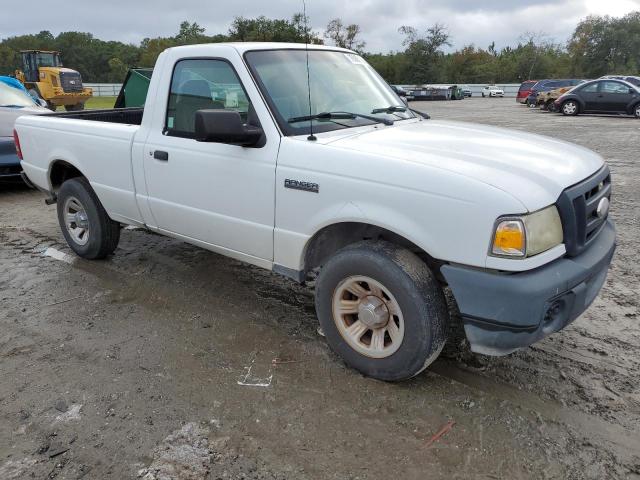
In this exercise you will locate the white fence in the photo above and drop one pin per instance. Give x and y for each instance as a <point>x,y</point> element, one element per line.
<point>510,89</point>
<point>105,89</point>
<point>112,89</point>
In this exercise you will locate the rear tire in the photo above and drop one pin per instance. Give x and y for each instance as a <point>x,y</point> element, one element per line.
<point>394,325</point>
<point>84,222</point>
<point>570,108</point>
<point>551,106</point>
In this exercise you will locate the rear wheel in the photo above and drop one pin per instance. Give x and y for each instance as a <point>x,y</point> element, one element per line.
<point>551,106</point>
<point>570,108</point>
<point>381,310</point>
<point>84,222</point>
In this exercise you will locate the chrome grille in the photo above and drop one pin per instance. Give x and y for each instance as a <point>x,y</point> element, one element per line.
<point>71,82</point>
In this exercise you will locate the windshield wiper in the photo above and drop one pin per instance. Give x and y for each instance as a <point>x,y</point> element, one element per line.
<point>339,116</point>
<point>424,115</point>
<point>391,109</point>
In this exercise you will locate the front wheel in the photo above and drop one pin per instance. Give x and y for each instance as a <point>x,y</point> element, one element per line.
<point>570,108</point>
<point>84,222</point>
<point>382,310</point>
<point>551,106</point>
<point>74,108</point>
<point>636,111</point>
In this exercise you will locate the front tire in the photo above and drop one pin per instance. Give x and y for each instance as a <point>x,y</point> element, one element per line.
<point>74,108</point>
<point>84,222</point>
<point>570,108</point>
<point>636,111</point>
<point>382,310</point>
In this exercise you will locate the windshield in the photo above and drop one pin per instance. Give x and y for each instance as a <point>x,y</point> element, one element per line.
<point>12,97</point>
<point>47,60</point>
<point>340,82</point>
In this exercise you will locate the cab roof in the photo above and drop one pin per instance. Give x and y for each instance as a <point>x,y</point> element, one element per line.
<point>242,47</point>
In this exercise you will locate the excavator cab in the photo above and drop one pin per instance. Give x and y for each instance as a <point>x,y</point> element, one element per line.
<point>33,60</point>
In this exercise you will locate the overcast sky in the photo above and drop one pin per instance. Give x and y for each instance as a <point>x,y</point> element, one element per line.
<point>469,21</point>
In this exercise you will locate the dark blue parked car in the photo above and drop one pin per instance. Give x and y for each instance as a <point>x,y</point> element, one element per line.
<point>9,162</point>
<point>548,85</point>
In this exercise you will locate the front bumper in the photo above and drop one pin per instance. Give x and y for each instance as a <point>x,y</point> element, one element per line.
<point>61,97</point>
<point>504,312</point>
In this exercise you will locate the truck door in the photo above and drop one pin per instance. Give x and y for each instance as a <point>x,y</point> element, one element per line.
<point>218,194</point>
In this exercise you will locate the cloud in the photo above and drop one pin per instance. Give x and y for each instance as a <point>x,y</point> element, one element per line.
<point>468,21</point>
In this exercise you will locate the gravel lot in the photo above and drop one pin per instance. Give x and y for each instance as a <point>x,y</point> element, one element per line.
<point>168,361</point>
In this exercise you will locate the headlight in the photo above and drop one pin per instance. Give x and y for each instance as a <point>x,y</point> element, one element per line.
<point>527,235</point>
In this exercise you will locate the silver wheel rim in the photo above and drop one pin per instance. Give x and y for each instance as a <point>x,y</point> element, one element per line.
<point>368,317</point>
<point>76,220</point>
<point>638,111</point>
<point>569,108</point>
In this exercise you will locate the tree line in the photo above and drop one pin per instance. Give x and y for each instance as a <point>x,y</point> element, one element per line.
<point>599,45</point>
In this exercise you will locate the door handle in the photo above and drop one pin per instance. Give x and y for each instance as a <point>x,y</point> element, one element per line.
<point>160,155</point>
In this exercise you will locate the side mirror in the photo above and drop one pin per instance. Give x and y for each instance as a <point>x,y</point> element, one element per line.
<point>632,90</point>
<point>225,126</point>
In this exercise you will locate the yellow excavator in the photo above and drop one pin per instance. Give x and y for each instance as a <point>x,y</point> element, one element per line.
<point>43,74</point>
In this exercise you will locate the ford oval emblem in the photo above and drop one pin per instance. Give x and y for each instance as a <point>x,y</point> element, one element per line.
<point>603,208</point>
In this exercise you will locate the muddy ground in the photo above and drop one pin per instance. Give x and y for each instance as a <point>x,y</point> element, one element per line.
<point>168,361</point>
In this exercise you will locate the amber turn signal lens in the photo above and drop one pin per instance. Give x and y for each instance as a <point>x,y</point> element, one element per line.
<point>510,239</point>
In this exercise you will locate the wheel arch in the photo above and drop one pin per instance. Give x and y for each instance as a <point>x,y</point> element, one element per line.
<point>60,171</point>
<point>329,239</point>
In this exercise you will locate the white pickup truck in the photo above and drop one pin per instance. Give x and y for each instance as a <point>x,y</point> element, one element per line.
<point>238,151</point>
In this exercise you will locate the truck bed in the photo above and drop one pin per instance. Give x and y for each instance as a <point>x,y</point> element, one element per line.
<point>127,116</point>
<point>98,143</point>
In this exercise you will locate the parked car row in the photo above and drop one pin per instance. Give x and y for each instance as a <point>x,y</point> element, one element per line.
<point>611,94</point>
<point>432,92</point>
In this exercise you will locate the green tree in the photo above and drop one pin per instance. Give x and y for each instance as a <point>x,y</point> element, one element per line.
<point>424,53</point>
<point>345,36</point>
<point>606,45</point>
<point>263,29</point>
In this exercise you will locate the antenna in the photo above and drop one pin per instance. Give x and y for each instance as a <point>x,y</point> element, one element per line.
<point>311,136</point>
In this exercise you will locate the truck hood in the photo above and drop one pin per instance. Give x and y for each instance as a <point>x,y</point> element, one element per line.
<point>533,169</point>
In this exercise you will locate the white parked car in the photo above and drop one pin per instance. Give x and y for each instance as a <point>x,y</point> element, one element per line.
<point>492,91</point>
<point>385,206</point>
<point>13,104</point>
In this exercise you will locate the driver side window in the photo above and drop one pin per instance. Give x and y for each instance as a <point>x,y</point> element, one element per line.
<point>202,84</point>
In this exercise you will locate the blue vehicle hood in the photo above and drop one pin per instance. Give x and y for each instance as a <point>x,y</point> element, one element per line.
<point>12,82</point>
